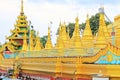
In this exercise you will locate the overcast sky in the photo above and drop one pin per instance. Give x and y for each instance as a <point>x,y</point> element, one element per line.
<point>42,12</point>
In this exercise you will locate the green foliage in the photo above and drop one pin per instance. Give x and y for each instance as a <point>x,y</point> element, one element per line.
<point>94,24</point>
<point>71,28</point>
<point>43,40</point>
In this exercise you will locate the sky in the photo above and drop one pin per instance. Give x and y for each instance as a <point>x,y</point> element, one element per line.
<point>42,12</point>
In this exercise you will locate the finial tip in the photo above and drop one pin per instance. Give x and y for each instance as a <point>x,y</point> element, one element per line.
<point>77,19</point>
<point>87,15</point>
<point>22,12</point>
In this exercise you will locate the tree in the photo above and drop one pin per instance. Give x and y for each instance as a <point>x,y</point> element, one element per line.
<point>70,26</point>
<point>94,23</point>
<point>43,40</point>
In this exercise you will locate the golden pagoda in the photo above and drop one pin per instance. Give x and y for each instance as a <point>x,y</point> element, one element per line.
<point>49,43</point>
<point>20,33</point>
<point>59,42</point>
<point>105,29</point>
<point>102,35</point>
<point>87,37</point>
<point>115,24</point>
<point>117,30</point>
<point>38,45</point>
<point>76,39</point>
<point>65,36</point>
<point>21,29</point>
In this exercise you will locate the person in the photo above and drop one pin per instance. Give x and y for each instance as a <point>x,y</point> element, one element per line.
<point>2,76</point>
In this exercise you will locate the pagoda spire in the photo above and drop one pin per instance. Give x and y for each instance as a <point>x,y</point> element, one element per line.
<point>103,24</point>
<point>65,36</point>
<point>22,7</point>
<point>76,39</point>
<point>87,37</point>
<point>101,39</point>
<point>49,43</point>
<point>38,46</point>
<point>60,43</point>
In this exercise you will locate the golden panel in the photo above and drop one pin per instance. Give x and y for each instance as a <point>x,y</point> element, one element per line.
<point>109,58</point>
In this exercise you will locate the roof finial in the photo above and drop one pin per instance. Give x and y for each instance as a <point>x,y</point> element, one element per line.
<point>76,19</point>
<point>60,23</point>
<point>48,30</point>
<point>38,33</point>
<point>22,7</point>
<point>87,15</point>
<point>101,9</point>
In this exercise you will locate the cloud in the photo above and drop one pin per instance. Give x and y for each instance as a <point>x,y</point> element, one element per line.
<point>84,2</point>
